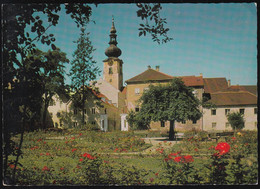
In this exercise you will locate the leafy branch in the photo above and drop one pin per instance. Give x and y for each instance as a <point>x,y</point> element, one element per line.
<point>154,24</point>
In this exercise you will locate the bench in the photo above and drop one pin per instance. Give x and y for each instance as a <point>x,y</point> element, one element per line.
<point>218,135</point>
<point>179,136</point>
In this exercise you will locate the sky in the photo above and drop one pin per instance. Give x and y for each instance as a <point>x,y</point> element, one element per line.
<point>217,40</point>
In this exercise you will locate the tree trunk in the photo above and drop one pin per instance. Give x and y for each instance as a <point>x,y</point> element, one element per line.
<point>83,106</point>
<point>171,133</point>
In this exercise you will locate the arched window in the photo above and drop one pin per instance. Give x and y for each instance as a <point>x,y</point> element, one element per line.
<point>110,70</point>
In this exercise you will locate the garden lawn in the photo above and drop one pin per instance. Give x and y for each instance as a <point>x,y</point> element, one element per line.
<point>78,157</point>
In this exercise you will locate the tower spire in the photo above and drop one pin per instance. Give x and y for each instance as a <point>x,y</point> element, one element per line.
<point>113,50</point>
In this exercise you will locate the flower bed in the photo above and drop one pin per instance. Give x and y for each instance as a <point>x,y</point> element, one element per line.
<point>83,158</point>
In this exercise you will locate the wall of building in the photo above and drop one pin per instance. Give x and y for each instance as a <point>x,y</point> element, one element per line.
<point>115,78</point>
<point>221,120</point>
<point>55,109</point>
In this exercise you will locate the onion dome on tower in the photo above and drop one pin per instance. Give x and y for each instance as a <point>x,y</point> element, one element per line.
<point>113,50</point>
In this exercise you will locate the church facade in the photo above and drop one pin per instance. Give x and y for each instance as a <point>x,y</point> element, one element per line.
<point>122,99</point>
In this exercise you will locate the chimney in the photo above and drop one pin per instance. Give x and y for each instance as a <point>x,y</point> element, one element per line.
<point>149,67</point>
<point>201,74</point>
<point>157,68</point>
<point>229,83</point>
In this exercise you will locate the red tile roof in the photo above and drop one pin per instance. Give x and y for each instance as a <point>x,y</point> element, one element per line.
<point>212,85</point>
<point>101,96</point>
<point>233,98</point>
<point>154,75</point>
<point>250,88</point>
<point>149,75</point>
<point>192,80</point>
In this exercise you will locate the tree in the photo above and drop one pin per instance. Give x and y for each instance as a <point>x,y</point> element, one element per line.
<point>52,76</point>
<point>236,120</point>
<point>21,84</point>
<point>171,102</point>
<point>156,28</point>
<point>83,70</point>
<point>136,121</point>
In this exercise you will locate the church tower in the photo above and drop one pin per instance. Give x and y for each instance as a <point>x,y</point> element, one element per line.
<point>113,66</point>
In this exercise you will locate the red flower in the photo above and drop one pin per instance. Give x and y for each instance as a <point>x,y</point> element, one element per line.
<point>88,156</point>
<point>196,149</point>
<point>45,168</point>
<point>74,149</point>
<point>44,142</point>
<point>41,154</point>
<point>166,159</point>
<point>212,147</point>
<point>223,148</point>
<point>246,144</point>
<point>62,168</point>
<point>66,142</point>
<point>72,138</point>
<point>106,161</point>
<point>172,154</point>
<point>48,154</point>
<point>233,138</point>
<point>177,159</point>
<point>39,140</point>
<point>116,150</point>
<point>81,159</point>
<point>78,167</point>
<point>151,179</point>
<point>156,174</point>
<point>188,159</point>
<point>12,166</point>
<point>80,134</point>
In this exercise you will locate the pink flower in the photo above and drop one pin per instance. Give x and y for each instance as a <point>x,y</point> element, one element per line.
<point>151,179</point>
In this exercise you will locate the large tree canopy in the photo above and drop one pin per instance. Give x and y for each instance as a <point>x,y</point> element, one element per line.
<point>171,102</point>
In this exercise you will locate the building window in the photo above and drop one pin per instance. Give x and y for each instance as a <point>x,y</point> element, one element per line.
<point>227,111</point>
<point>214,124</point>
<point>110,70</point>
<point>93,110</point>
<point>105,111</point>
<point>58,114</point>
<point>255,110</point>
<point>242,111</point>
<point>137,91</point>
<point>85,111</point>
<point>75,111</point>
<point>227,124</point>
<point>183,122</point>
<point>195,93</point>
<point>75,124</point>
<point>213,112</point>
<point>137,109</point>
<point>93,123</point>
<point>194,122</point>
<point>162,124</point>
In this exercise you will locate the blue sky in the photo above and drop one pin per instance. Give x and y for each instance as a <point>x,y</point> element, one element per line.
<point>217,40</point>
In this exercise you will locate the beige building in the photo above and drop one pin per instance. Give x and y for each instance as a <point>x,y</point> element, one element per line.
<point>138,84</point>
<point>99,113</point>
<point>229,99</point>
